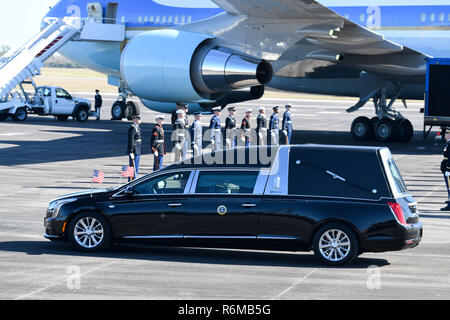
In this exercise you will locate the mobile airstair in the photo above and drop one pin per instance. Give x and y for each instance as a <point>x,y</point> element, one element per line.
<point>20,65</point>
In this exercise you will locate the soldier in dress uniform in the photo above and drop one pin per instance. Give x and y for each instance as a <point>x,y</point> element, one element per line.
<point>197,134</point>
<point>287,125</point>
<point>261,127</point>
<point>215,128</point>
<point>230,129</point>
<point>246,128</point>
<point>185,108</point>
<point>179,135</point>
<point>174,114</point>
<point>445,168</point>
<point>157,143</point>
<point>135,144</point>
<point>98,103</point>
<point>274,127</point>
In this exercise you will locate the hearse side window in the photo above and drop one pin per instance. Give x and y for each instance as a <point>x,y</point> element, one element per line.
<point>171,183</point>
<point>226,182</point>
<point>337,173</point>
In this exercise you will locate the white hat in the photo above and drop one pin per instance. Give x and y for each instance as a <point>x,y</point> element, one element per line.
<point>179,111</point>
<point>159,117</point>
<point>262,109</point>
<point>216,109</point>
<point>248,111</point>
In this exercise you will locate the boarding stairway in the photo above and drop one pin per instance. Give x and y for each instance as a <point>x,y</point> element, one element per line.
<point>16,66</point>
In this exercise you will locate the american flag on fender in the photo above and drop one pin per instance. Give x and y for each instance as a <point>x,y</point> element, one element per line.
<point>98,177</point>
<point>127,171</point>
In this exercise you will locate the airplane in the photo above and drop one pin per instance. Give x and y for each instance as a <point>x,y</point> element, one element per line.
<point>206,53</point>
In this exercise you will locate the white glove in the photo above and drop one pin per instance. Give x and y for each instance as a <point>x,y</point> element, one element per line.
<point>447,173</point>
<point>132,156</point>
<point>285,132</point>
<point>243,139</point>
<point>156,153</point>
<point>178,146</point>
<point>195,146</point>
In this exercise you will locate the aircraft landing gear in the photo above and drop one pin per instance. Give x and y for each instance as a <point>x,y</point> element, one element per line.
<point>123,109</point>
<point>388,125</point>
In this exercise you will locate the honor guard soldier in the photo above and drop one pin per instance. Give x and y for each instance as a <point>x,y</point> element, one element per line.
<point>135,144</point>
<point>274,127</point>
<point>246,128</point>
<point>98,103</point>
<point>197,134</point>
<point>261,127</point>
<point>174,114</point>
<point>445,168</point>
<point>287,125</point>
<point>185,108</point>
<point>157,144</point>
<point>215,128</point>
<point>179,135</point>
<point>230,129</point>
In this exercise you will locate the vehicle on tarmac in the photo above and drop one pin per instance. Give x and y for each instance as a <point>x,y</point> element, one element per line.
<point>336,201</point>
<point>46,101</point>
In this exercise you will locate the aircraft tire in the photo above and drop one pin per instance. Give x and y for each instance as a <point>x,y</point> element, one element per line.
<point>118,110</point>
<point>362,129</point>
<point>385,130</point>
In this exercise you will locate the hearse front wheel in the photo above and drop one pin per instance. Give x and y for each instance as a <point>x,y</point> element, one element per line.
<point>335,244</point>
<point>90,232</point>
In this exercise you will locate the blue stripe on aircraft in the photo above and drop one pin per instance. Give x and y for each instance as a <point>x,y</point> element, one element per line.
<point>138,13</point>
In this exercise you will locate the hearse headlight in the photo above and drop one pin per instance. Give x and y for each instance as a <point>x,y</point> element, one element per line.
<point>55,206</point>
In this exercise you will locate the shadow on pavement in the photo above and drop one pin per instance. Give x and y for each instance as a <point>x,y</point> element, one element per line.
<point>186,255</point>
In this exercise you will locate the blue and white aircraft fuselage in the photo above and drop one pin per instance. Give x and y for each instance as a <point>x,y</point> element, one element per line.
<point>399,35</point>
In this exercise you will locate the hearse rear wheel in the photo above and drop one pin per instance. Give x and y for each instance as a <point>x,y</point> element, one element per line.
<point>335,244</point>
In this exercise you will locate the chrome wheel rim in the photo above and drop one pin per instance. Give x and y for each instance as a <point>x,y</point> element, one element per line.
<point>334,245</point>
<point>88,232</point>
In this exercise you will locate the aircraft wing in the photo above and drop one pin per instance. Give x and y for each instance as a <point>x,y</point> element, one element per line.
<point>334,37</point>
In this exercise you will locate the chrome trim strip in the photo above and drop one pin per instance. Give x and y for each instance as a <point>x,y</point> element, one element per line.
<point>174,236</point>
<point>219,237</point>
<point>47,236</point>
<point>275,237</point>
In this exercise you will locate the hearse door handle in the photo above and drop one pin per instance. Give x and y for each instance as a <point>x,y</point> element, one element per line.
<point>249,205</point>
<point>174,205</point>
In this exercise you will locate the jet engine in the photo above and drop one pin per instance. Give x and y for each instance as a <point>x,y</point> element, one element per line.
<point>172,65</point>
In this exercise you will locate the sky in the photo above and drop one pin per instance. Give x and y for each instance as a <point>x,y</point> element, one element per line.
<point>20,20</point>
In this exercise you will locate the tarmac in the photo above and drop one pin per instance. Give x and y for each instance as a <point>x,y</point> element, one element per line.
<point>43,158</point>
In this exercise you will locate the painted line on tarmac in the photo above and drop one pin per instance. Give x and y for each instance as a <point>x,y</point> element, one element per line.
<point>296,283</point>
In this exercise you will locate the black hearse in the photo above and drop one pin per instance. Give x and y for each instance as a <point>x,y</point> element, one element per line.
<point>337,201</point>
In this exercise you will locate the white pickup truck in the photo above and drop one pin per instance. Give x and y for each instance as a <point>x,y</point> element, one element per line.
<point>47,101</point>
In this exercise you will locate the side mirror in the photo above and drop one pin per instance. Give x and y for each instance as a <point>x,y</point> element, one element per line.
<point>129,192</point>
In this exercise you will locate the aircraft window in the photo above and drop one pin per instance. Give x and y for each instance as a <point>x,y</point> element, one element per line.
<point>432,17</point>
<point>152,19</point>
<point>362,17</point>
<point>163,20</point>
<point>189,19</point>
<point>123,19</point>
<point>170,20</point>
<point>176,20</point>
<point>140,19</point>
<point>423,17</point>
<point>441,16</point>
<point>145,19</point>
<point>183,19</point>
<point>157,20</point>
